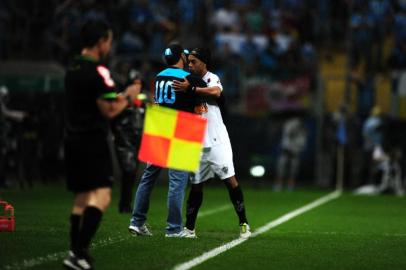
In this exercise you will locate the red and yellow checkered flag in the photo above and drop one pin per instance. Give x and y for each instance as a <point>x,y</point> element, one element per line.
<point>172,139</point>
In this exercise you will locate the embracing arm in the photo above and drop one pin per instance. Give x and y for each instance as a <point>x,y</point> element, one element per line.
<point>185,85</point>
<point>209,91</point>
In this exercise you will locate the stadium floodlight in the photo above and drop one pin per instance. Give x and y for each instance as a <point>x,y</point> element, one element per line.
<point>257,171</point>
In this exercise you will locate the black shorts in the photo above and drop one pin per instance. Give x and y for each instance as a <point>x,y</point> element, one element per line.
<point>88,164</point>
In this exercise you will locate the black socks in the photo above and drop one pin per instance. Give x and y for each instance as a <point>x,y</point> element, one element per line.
<point>237,199</point>
<point>193,204</point>
<point>195,201</point>
<point>82,234</point>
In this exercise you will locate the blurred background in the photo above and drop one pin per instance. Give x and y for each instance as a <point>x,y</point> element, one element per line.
<point>315,89</point>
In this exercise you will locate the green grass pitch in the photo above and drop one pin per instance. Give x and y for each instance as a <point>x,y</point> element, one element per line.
<point>350,232</point>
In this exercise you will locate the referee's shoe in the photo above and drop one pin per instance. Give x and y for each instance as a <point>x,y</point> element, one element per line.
<point>139,231</point>
<point>75,262</point>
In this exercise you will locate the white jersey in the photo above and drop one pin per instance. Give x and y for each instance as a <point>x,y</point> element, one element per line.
<point>216,132</point>
<point>217,154</point>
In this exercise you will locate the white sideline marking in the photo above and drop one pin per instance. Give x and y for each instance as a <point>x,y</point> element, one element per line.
<point>58,256</point>
<point>344,233</point>
<point>214,211</point>
<point>216,251</point>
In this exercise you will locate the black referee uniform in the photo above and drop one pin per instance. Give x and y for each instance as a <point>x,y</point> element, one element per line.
<point>87,149</point>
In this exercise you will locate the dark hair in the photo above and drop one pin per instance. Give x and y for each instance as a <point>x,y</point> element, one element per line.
<point>92,31</point>
<point>173,53</point>
<point>203,54</point>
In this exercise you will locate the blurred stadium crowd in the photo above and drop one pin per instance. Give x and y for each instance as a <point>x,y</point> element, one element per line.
<point>267,52</point>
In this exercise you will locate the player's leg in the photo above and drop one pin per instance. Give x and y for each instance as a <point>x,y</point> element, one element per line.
<point>142,198</point>
<point>237,198</point>
<point>293,169</point>
<point>194,202</point>
<point>281,170</point>
<point>221,160</point>
<point>195,198</point>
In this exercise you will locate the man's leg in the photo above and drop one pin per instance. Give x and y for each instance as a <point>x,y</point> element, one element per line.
<point>176,193</point>
<point>129,164</point>
<point>98,201</point>
<point>142,195</point>
<point>86,216</point>
<point>80,202</point>
<point>127,184</point>
<point>281,170</point>
<point>237,198</point>
<point>193,205</point>
<point>293,169</point>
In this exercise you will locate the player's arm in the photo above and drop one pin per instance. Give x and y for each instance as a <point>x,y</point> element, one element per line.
<point>208,91</point>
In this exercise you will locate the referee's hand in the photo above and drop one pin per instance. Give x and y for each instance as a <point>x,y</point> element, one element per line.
<point>181,86</point>
<point>133,89</point>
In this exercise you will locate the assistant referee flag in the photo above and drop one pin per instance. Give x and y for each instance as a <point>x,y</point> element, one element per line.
<point>172,139</point>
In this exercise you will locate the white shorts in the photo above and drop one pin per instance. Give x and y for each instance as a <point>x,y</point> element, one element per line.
<point>216,160</point>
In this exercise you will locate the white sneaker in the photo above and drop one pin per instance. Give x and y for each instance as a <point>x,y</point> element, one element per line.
<point>139,231</point>
<point>75,262</point>
<point>188,233</point>
<point>185,233</point>
<point>245,230</point>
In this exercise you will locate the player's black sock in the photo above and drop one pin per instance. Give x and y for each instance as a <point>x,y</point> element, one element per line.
<point>75,221</point>
<point>193,204</point>
<point>91,220</point>
<point>237,199</point>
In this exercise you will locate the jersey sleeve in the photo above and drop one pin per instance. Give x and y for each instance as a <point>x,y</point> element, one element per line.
<point>214,80</point>
<point>105,86</point>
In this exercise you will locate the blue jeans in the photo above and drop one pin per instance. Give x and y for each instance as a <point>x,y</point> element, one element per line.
<point>177,183</point>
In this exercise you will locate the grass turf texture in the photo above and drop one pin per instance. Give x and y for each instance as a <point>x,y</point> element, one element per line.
<point>347,233</point>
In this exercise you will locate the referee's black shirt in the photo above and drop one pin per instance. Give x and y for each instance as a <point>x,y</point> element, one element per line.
<point>86,80</point>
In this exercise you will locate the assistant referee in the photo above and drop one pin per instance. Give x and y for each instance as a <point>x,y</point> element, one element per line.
<point>91,101</point>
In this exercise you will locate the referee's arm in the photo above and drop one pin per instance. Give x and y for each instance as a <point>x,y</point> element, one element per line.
<point>112,105</point>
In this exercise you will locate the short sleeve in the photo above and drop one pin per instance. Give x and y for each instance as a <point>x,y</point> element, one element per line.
<point>214,80</point>
<point>105,86</point>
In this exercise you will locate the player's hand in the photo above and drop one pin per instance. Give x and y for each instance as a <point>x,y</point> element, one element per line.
<point>181,86</point>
